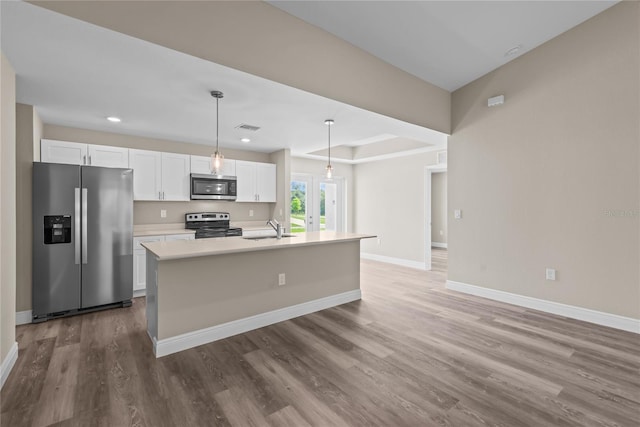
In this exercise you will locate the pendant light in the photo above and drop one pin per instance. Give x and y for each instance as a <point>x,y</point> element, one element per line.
<point>329,122</point>
<point>217,158</point>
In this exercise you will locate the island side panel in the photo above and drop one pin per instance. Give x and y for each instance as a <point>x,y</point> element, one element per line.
<point>197,293</point>
<point>152,296</point>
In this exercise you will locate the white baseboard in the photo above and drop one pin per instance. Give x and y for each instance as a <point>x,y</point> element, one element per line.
<point>598,317</point>
<point>7,363</point>
<point>139,293</point>
<point>178,343</point>
<point>390,260</point>
<point>23,317</point>
<point>438,245</point>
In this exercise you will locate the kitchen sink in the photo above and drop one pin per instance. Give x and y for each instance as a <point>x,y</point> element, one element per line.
<point>269,237</point>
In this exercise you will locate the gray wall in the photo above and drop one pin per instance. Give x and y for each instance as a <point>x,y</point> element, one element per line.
<point>439,207</point>
<point>8,208</point>
<point>28,133</point>
<point>390,203</point>
<point>539,177</point>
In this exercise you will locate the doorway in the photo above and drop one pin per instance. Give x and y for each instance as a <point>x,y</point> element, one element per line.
<point>436,216</point>
<point>317,204</point>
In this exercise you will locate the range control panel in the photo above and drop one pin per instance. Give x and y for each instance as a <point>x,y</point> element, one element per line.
<point>207,216</point>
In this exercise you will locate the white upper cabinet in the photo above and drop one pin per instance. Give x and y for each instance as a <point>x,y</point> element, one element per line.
<point>256,182</point>
<point>71,153</point>
<point>246,185</point>
<point>202,164</point>
<point>160,176</point>
<point>106,156</point>
<point>147,174</point>
<point>266,182</point>
<point>176,171</point>
<point>77,153</point>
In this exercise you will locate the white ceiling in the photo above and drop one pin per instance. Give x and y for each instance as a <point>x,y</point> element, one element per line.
<point>76,74</point>
<point>447,43</point>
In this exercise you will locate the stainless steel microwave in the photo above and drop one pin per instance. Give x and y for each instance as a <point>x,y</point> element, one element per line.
<point>213,187</point>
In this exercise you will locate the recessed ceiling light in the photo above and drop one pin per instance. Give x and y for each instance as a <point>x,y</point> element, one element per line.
<point>114,119</point>
<point>513,51</point>
<point>245,140</point>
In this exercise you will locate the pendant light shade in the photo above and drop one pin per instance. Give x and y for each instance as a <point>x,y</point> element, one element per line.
<point>217,158</point>
<point>329,122</point>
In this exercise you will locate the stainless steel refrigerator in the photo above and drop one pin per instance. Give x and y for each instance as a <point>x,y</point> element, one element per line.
<point>82,239</point>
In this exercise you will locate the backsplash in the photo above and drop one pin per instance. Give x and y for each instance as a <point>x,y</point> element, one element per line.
<point>149,212</point>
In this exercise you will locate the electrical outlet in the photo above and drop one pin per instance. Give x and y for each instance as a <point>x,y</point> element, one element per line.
<point>457,214</point>
<point>441,233</point>
<point>250,212</point>
<point>163,213</point>
<point>281,279</point>
<point>551,274</point>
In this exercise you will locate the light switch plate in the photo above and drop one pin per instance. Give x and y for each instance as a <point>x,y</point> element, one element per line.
<point>457,214</point>
<point>163,213</point>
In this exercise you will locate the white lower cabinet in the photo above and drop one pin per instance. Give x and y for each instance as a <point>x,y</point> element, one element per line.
<point>140,258</point>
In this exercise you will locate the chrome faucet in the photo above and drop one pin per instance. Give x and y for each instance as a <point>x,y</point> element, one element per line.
<point>276,226</point>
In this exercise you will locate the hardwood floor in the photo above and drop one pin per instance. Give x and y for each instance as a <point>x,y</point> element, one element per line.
<point>409,353</point>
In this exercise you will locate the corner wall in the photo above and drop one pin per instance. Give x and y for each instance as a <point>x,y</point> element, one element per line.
<point>8,347</point>
<point>28,131</point>
<point>551,178</point>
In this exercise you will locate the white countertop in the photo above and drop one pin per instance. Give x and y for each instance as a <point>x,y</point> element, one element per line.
<point>160,229</point>
<point>227,245</point>
<point>142,230</point>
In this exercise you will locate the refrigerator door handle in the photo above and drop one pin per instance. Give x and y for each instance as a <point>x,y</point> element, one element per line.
<point>76,228</point>
<point>84,226</point>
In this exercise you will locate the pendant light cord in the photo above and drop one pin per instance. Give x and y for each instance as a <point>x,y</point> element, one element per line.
<point>329,126</point>
<point>217,122</point>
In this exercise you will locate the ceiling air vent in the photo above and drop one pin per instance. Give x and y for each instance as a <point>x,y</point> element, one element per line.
<point>245,126</point>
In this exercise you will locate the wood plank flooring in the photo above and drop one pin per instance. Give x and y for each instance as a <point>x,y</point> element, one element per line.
<point>410,353</point>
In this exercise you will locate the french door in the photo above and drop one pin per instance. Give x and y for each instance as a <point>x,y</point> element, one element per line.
<point>317,204</point>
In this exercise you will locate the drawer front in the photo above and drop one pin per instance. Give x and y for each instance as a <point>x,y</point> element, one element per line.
<point>145,239</point>
<point>171,237</point>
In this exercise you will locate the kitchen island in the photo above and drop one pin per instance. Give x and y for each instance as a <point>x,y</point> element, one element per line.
<point>199,291</point>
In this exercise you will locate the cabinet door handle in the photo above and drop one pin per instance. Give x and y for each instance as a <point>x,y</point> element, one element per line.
<point>89,158</point>
<point>163,195</point>
<point>84,159</point>
<point>159,195</point>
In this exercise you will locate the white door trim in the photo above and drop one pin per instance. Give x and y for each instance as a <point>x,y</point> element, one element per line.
<point>428,172</point>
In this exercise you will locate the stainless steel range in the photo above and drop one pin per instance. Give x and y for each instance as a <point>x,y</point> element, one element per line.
<point>210,224</point>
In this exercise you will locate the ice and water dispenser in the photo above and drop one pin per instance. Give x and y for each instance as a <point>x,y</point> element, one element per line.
<point>57,229</point>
